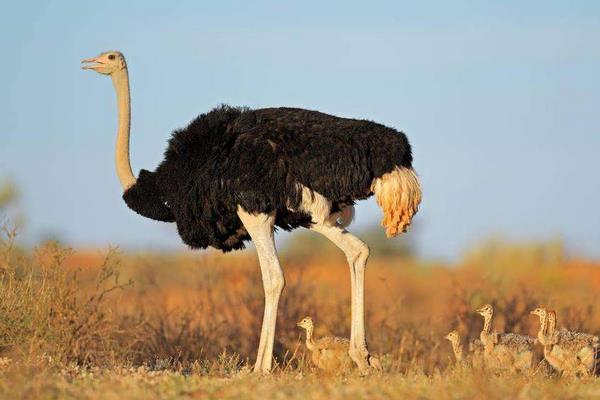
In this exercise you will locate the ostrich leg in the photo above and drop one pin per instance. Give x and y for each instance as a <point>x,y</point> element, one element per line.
<point>357,254</point>
<point>260,229</point>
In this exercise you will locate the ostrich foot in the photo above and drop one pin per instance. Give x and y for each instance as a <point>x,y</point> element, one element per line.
<point>259,370</point>
<point>365,361</point>
<point>375,363</point>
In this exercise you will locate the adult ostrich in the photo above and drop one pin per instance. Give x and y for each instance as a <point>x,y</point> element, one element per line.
<point>233,174</point>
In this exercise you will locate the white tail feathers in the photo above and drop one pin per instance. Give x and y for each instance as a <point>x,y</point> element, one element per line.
<point>398,193</point>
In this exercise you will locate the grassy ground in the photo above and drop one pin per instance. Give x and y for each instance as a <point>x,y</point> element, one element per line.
<point>106,324</point>
<point>140,383</point>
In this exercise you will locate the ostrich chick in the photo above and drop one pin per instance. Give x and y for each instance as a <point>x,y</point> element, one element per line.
<point>329,353</point>
<point>504,350</point>
<point>571,353</point>
<point>475,350</point>
<point>553,353</point>
<point>553,356</point>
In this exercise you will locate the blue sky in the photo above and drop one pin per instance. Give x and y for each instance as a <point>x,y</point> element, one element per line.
<point>499,100</point>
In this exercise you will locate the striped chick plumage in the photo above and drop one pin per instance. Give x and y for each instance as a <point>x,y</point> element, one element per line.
<point>329,353</point>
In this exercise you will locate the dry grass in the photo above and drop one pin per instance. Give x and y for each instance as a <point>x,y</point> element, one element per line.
<point>147,325</point>
<point>144,383</point>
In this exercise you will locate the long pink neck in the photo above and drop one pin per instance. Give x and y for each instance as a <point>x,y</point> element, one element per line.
<point>121,83</point>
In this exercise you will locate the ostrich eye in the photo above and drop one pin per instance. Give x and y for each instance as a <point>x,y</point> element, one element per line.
<point>111,57</point>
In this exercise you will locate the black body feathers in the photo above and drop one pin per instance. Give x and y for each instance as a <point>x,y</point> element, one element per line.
<point>145,198</point>
<point>258,159</point>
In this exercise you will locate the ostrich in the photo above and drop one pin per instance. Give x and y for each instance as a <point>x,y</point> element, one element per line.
<point>328,353</point>
<point>580,347</point>
<point>504,350</point>
<point>568,352</point>
<point>475,349</point>
<point>234,174</point>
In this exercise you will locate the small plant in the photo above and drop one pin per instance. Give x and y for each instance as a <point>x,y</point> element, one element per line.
<point>44,314</point>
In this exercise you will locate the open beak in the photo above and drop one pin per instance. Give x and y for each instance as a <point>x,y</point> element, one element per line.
<point>91,63</point>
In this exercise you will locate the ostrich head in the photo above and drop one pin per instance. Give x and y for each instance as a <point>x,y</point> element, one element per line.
<point>540,312</point>
<point>306,323</point>
<point>453,337</point>
<point>106,63</point>
<point>485,311</point>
